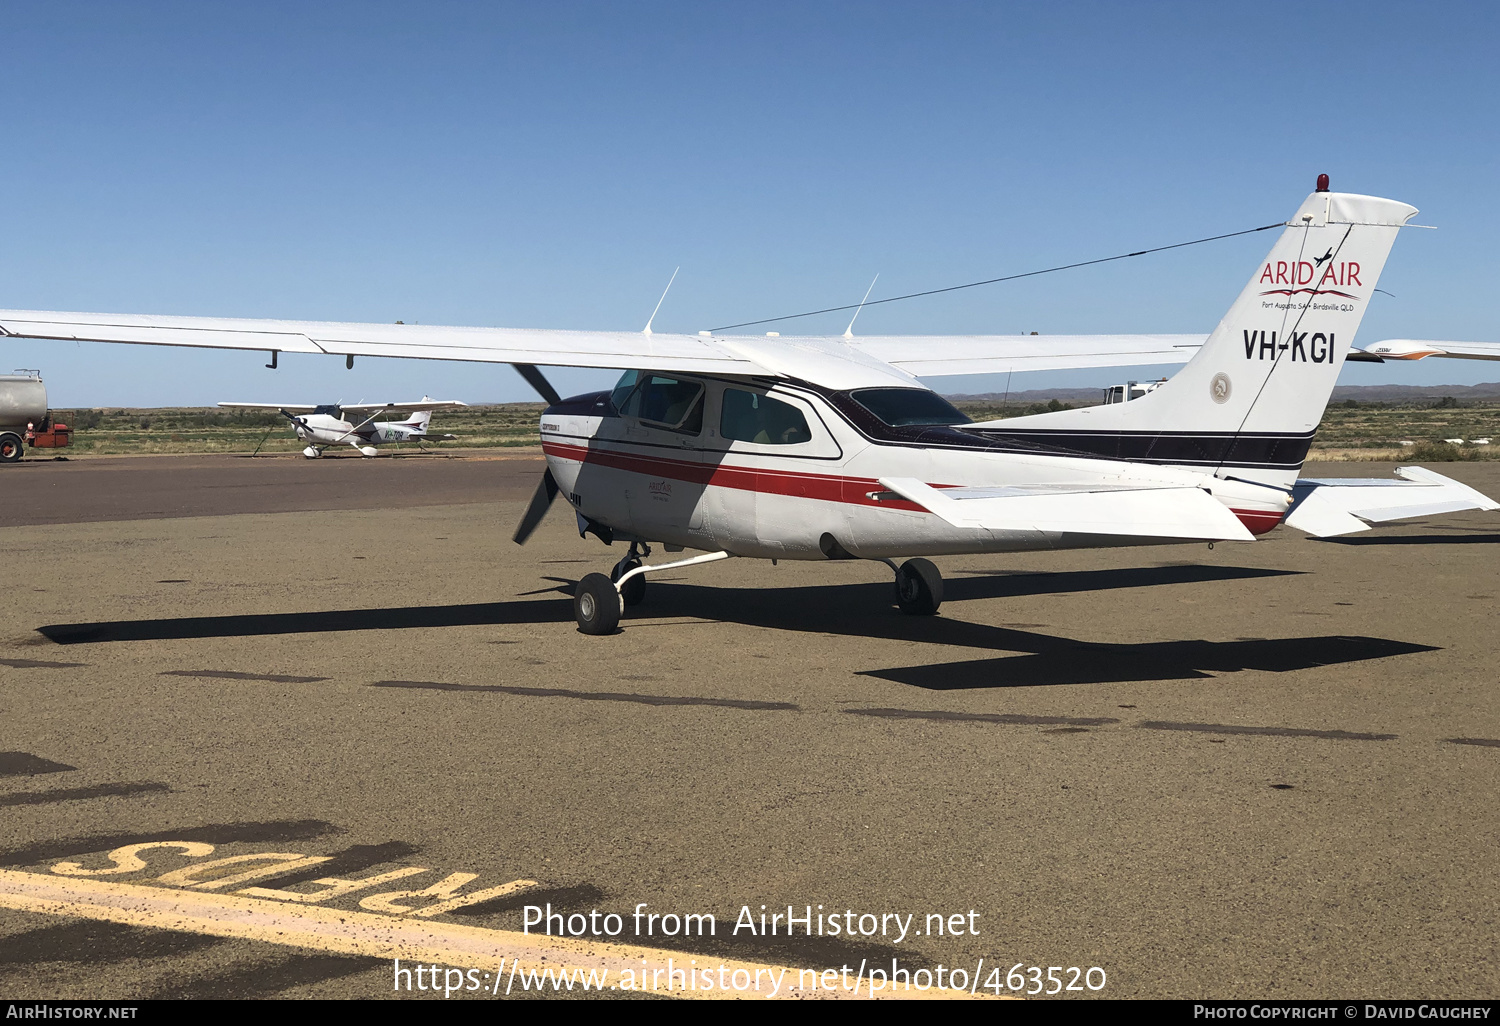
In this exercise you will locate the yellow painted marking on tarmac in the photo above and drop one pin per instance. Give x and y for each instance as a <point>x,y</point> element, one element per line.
<point>444,888</point>
<point>282,862</point>
<point>333,886</point>
<point>380,936</point>
<point>128,859</point>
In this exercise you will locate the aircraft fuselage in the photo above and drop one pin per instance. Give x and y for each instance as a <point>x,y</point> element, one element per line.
<point>789,470</point>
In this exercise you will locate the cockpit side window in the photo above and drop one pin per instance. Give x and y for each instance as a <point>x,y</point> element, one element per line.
<point>752,417</point>
<point>660,400</point>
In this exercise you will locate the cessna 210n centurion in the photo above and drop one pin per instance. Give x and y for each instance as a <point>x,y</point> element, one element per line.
<point>322,426</point>
<point>821,448</point>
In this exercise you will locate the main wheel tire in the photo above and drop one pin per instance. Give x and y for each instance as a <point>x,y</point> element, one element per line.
<point>634,591</point>
<point>10,448</point>
<point>919,587</point>
<point>597,605</point>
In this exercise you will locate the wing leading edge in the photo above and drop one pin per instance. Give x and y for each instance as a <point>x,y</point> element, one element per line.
<point>828,360</point>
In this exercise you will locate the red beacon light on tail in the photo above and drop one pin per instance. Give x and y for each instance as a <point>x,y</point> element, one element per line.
<point>1322,183</point>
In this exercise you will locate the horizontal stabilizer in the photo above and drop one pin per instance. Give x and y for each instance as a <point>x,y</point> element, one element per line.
<point>1130,511</point>
<point>1328,507</point>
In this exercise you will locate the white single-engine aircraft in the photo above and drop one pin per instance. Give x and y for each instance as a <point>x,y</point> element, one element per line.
<point>830,448</point>
<point>355,425</point>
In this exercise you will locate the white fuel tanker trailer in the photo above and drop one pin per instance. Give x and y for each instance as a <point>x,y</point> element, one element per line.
<point>24,417</point>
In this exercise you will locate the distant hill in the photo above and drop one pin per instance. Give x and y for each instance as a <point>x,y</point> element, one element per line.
<point>1362,393</point>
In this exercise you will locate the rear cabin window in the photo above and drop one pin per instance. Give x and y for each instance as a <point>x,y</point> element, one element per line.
<point>752,417</point>
<point>658,399</point>
<point>908,407</point>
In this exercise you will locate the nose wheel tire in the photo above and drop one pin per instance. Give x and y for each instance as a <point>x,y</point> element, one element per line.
<point>635,588</point>
<point>597,605</point>
<point>919,587</point>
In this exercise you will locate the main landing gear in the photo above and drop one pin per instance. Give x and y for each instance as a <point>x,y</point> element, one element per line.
<point>599,601</point>
<point>919,586</point>
<point>634,590</point>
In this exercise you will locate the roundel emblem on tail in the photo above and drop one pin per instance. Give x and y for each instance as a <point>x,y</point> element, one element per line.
<point>1220,388</point>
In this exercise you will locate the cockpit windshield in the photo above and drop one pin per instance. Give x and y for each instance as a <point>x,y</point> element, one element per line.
<point>909,407</point>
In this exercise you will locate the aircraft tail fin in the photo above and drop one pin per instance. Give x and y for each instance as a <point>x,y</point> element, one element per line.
<point>1248,403</point>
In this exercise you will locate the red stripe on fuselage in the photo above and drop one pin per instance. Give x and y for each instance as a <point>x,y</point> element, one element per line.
<point>827,487</point>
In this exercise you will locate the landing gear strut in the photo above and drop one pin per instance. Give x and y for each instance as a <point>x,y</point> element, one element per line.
<point>599,602</point>
<point>919,587</point>
<point>634,590</point>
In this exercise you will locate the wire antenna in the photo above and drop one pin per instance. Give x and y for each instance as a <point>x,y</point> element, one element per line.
<point>849,331</point>
<point>647,329</point>
<point>1008,277</point>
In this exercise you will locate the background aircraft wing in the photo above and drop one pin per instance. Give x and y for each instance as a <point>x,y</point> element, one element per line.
<point>1134,511</point>
<point>417,407</point>
<point>1420,349</point>
<point>937,355</point>
<point>284,407</point>
<point>1328,507</point>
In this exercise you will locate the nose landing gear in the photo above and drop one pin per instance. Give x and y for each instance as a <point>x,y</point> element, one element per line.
<point>599,602</point>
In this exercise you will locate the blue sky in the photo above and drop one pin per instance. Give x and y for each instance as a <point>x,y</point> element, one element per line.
<point>548,165</point>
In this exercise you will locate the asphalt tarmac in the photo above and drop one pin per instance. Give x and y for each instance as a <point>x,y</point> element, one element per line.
<point>1260,770</point>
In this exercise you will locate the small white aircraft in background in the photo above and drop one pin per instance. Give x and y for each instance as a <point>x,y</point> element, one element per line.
<point>355,424</point>
<point>1421,349</point>
<point>829,447</point>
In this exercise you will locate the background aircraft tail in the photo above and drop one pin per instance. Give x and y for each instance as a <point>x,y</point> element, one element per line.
<point>418,422</point>
<point>1247,405</point>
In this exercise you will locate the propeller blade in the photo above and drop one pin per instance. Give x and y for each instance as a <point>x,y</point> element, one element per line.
<point>535,379</point>
<point>541,501</point>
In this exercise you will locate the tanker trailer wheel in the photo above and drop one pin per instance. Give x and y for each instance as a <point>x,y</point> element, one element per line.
<point>10,447</point>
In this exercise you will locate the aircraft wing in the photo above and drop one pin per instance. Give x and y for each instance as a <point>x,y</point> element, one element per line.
<point>1420,349</point>
<point>1325,508</point>
<point>622,349</point>
<point>417,407</point>
<point>283,407</point>
<point>830,360</point>
<point>1134,511</point>
<point>937,355</point>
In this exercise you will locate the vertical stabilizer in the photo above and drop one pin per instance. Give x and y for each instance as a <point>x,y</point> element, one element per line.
<point>1248,403</point>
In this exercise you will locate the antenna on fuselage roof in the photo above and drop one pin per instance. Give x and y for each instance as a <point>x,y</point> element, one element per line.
<point>849,331</point>
<point>647,329</point>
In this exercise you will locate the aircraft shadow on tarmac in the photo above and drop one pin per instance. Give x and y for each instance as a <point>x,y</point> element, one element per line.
<point>855,610</point>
